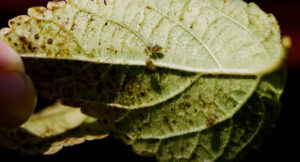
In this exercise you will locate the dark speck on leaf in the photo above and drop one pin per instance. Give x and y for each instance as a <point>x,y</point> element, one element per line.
<point>154,48</point>
<point>105,3</point>
<point>11,22</point>
<point>157,55</point>
<point>155,85</point>
<point>143,94</point>
<point>150,65</point>
<point>166,120</point>
<point>181,149</point>
<point>36,36</point>
<point>49,41</point>
<point>23,40</point>
<point>211,121</point>
<point>30,47</point>
<point>187,104</point>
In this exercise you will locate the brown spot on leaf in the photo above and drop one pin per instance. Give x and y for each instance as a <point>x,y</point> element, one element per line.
<point>181,149</point>
<point>187,104</point>
<point>211,121</point>
<point>143,94</point>
<point>36,36</point>
<point>11,22</point>
<point>23,40</point>
<point>43,46</point>
<point>162,76</point>
<point>155,51</point>
<point>154,48</point>
<point>181,106</point>
<point>49,41</point>
<point>56,4</point>
<point>184,105</point>
<point>30,46</point>
<point>150,65</point>
<point>148,7</point>
<point>166,120</point>
<point>40,10</point>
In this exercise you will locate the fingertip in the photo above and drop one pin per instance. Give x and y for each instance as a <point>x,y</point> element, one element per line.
<point>17,99</point>
<point>10,61</point>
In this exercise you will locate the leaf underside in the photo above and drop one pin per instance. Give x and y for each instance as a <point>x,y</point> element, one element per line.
<point>175,79</point>
<point>207,36</point>
<point>226,141</point>
<point>52,129</point>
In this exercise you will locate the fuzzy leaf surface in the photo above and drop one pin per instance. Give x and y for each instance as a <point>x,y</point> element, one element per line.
<point>173,78</point>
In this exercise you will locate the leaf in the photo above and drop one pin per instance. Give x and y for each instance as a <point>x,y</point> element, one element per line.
<point>172,78</point>
<point>227,140</point>
<point>208,101</point>
<point>52,129</point>
<point>65,31</point>
<point>207,145</point>
<point>215,37</point>
<point>260,121</point>
<point>119,86</point>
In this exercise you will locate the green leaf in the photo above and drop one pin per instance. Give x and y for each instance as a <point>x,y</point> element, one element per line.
<point>223,37</point>
<point>124,87</point>
<point>47,132</point>
<point>208,101</point>
<point>261,115</point>
<point>227,140</point>
<point>207,145</point>
<point>181,80</point>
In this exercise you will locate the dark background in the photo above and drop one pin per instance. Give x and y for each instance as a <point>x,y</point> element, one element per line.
<point>282,145</point>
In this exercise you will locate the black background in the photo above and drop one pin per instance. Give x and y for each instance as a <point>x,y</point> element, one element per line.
<point>282,145</point>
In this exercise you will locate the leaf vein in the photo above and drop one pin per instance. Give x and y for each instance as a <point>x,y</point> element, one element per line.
<point>194,35</point>
<point>238,24</point>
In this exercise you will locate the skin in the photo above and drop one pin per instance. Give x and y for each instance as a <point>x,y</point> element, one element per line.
<point>17,92</point>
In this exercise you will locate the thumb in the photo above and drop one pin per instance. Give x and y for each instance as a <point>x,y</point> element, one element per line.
<point>10,61</point>
<point>17,93</point>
